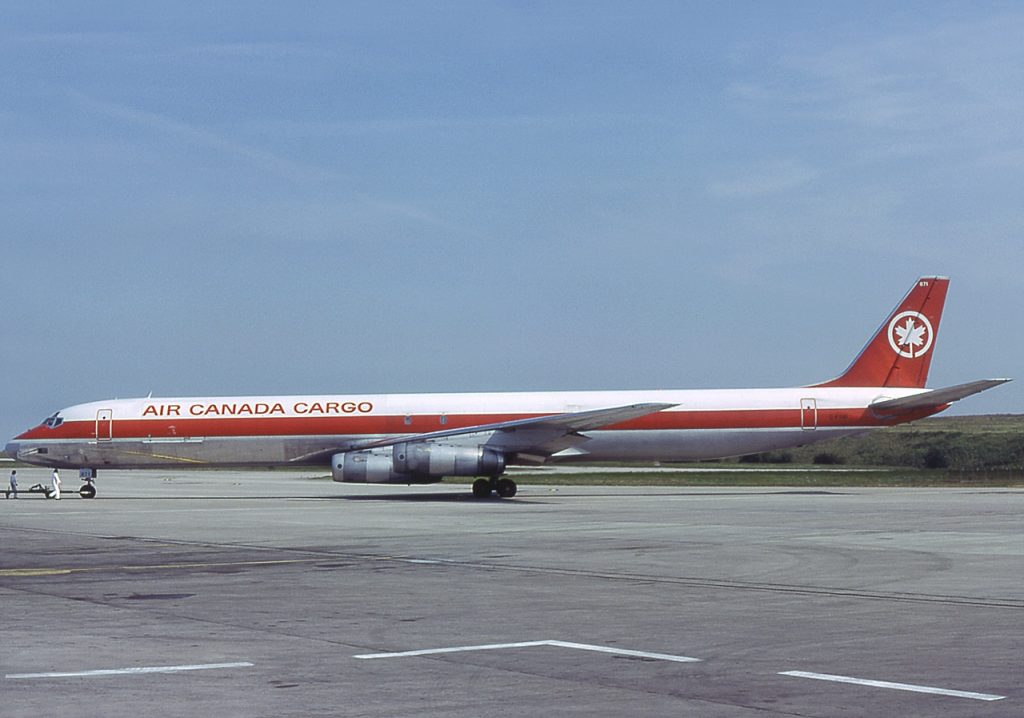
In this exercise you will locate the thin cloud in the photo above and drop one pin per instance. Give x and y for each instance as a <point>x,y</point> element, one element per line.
<point>571,123</point>
<point>199,137</point>
<point>763,181</point>
<point>936,79</point>
<point>281,167</point>
<point>90,40</point>
<point>262,50</point>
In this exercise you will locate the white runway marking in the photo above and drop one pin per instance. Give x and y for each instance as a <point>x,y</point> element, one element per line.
<point>894,686</point>
<point>133,671</point>
<point>624,652</point>
<point>531,644</point>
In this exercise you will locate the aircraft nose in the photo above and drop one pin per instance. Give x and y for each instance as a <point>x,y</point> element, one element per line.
<point>11,449</point>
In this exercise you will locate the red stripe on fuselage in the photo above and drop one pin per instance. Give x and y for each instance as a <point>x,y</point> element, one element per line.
<point>376,425</point>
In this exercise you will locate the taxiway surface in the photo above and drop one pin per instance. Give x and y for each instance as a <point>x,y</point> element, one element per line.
<point>278,594</point>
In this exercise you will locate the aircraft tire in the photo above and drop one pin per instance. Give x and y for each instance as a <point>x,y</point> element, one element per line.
<point>88,491</point>
<point>482,488</point>
<point>506,488</point>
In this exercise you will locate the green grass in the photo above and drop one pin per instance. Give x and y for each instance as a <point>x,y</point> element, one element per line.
<point>964,443</point>
<point>978,451</point>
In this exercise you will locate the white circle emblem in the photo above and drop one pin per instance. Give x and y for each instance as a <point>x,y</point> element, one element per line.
<point>910,334</point>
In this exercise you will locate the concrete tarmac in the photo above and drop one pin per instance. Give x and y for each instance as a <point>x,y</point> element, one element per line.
<point>281,594</point>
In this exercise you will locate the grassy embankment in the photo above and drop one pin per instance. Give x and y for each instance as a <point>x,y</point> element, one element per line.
<point>975,451</point>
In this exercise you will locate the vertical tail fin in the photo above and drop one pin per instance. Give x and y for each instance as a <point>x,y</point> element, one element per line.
<point>900,352</point>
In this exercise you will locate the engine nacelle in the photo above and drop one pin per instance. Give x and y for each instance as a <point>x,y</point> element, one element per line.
<point>373,466</point>
<point>412,462</point>
<point>417,457</point>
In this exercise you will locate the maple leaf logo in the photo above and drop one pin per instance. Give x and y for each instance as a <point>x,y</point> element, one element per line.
<point>910,334</point>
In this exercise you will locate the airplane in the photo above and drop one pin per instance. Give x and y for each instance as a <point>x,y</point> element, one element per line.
<point>422,438</point>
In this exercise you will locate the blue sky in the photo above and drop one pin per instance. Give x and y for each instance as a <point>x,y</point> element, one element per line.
<point>233,198</point>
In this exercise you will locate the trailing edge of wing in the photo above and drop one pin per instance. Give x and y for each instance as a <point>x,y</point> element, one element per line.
<point>593,419</point>
<point>935,397</point>
<point>553,424</point>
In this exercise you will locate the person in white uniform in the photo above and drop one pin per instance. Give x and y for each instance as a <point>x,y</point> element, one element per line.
<point>55,485</point>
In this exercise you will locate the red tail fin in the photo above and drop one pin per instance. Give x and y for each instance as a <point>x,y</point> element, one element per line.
<point>900,352</point>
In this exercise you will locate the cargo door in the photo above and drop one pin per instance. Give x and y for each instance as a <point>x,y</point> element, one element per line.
<point>808,414</point>
<point>104,424</point>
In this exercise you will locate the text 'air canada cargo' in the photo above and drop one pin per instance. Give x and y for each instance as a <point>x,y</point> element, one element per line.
<point>422,438</point>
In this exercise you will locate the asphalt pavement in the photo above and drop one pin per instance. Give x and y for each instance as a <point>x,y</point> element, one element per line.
<point>227,593</point>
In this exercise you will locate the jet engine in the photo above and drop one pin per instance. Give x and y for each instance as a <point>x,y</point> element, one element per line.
<point>410,462</point>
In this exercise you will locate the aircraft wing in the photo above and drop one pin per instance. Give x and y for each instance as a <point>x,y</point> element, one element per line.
<point>539,436</point>
<point>935,397</point>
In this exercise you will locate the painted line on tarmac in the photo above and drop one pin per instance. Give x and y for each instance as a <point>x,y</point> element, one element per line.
<point>138,670</point>
<point>23,572</point>
<point>624,652</point>
<point>894,686</point>
<point>34,571</point>
<point>531,644</point>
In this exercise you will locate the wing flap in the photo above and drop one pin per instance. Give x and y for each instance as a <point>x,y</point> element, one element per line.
<point>547,434</point>
<point>935,397</point>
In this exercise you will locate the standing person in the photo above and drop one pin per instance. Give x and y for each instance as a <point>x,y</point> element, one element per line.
<point>14,483</point>
<point>55,485</point>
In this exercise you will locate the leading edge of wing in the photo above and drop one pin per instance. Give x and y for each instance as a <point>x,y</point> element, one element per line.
<point>561,424</point>
<point>935,397</point>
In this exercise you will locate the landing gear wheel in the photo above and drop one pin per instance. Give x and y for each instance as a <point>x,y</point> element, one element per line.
<point>482,488</point>
<point>88,491</point>
<point>506,488</point>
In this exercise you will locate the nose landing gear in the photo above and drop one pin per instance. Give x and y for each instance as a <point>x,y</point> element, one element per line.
<point>88,489</point>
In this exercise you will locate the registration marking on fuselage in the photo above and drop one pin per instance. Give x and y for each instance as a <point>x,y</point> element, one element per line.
<point>531,644</point>
<point>894,686</point>
<point>137,670</point>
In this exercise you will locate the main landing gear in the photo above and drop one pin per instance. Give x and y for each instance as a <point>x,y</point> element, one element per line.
<point>504,487</point>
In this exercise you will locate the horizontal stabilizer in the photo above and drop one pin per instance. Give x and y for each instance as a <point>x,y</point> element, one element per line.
<point>935,397</point>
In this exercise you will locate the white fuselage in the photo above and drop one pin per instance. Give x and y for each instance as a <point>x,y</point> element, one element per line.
<point>291,430</point>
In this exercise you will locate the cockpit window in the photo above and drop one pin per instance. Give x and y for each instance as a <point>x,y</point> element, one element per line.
<point>54,420</point>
